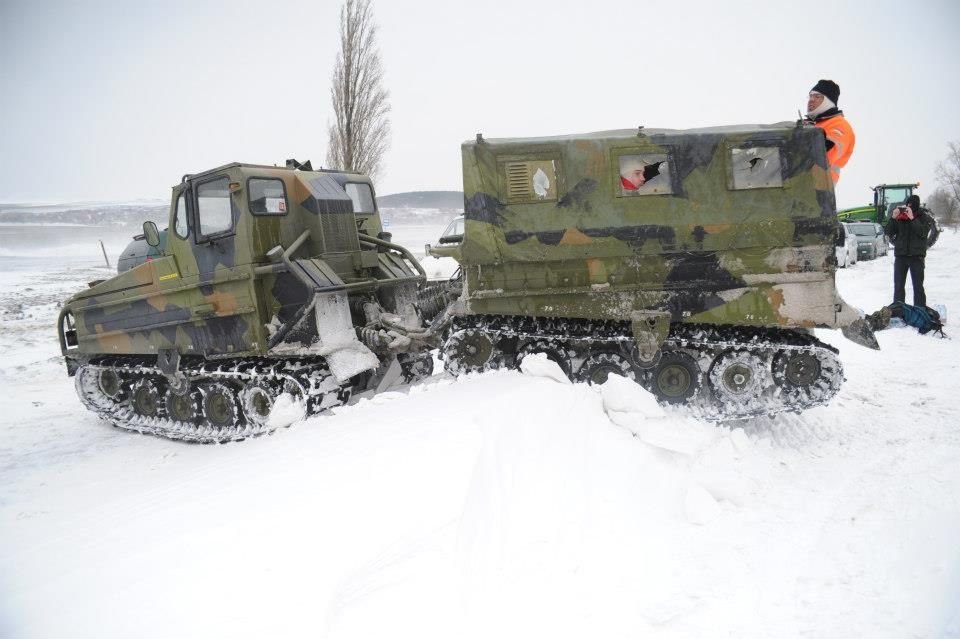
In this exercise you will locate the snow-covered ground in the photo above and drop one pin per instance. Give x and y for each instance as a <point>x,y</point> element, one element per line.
<point>414,237</point>
<point>500,505</point>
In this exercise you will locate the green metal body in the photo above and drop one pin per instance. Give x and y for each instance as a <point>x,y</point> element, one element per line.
<point>216,291</point>
<point>733,226</point>
<point>885,198</point>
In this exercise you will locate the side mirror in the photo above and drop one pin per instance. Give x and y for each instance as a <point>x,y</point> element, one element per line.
<point>151,234</point>
<point>451,239</point>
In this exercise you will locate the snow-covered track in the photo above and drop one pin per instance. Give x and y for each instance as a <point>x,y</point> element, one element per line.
<point>220,402</point>
<point>719,372</point>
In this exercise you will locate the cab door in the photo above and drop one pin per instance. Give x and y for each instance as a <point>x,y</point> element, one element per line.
<point>215,283</point>
<point>215,230</point>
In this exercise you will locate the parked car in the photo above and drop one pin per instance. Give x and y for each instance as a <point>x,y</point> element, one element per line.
<point>453,234</point>
<point>443,266</point>
<point>846,247</point>
<point>871,241</point>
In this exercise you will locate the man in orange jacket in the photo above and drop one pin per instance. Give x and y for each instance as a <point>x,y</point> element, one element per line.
<point>822,111</point>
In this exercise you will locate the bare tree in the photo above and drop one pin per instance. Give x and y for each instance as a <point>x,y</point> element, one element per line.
<point>948,171</point>
<point>945,201</point>
<point>361,133</point>
<point>945,208</point>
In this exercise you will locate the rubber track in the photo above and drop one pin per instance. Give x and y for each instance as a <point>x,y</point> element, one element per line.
<point>311,380</point>
<point>702,341</point>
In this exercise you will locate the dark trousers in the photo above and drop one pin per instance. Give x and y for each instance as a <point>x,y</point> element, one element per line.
<point>913,264</point>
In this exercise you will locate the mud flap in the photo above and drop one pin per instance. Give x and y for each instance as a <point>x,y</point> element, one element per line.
<point>389,376</point>
<point>337,339</point>
<point>854,326</point>
<point>859,331</point>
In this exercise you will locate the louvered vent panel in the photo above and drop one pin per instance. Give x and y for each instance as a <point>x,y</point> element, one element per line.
<point>339,231</point>
<point>337,222</point>
<point>519,186</point>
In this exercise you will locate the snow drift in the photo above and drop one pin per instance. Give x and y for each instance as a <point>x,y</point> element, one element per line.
<point>507,504</point>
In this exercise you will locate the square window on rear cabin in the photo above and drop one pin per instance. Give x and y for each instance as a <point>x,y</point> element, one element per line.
<point>644,174</point>
<point>757,167</point>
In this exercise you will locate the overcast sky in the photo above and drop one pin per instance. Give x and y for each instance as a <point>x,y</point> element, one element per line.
<point>108,101</point>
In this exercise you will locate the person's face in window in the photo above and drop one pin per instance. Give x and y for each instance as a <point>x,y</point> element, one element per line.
<point>636,178</point>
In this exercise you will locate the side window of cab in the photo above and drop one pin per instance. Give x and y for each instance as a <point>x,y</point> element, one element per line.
<point>214,208</point>
<point>180,225</point>
<point>361,196</point>
<point>267,196</point>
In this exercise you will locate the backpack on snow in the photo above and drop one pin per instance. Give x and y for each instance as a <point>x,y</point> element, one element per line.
<point>923,318</point>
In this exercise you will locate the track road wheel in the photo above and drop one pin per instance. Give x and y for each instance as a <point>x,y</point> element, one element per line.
<point>257,400</point>
<point>807,378</point>
<point>110,383</point>
<point>796,369</point>
<point>739,377</point>
<point>470,351</point>
<point>219,405</point>
<point>676,378</point>
<point>145,398</point>
<point>554,352</point>
<point>183,407</point>
<point>599,366</point>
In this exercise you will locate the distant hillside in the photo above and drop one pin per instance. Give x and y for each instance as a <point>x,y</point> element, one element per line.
<point>94,214</point>
<point>414,206</point>
<point>422,200</point>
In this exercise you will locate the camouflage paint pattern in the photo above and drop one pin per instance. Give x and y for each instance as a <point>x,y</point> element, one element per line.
<point>737,227</point>
<point>204,296</point>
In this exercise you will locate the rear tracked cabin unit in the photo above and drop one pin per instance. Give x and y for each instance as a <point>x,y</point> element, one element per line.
<point>693,261</point>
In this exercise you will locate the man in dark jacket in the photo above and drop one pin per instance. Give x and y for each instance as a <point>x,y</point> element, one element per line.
<point>912,230</point>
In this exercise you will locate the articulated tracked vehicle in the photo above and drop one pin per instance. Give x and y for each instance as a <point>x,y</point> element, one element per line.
<point>271,281</point>
<point>695,262</point>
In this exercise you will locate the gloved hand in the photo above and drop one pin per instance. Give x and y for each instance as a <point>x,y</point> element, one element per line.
<point>903,213</point>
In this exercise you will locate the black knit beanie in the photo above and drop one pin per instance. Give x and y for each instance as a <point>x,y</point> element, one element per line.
<point>828,88</point>
<point>914,202</point>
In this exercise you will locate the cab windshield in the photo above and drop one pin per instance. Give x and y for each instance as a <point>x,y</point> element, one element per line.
<point>453,232</point>
<point>892,197</point>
